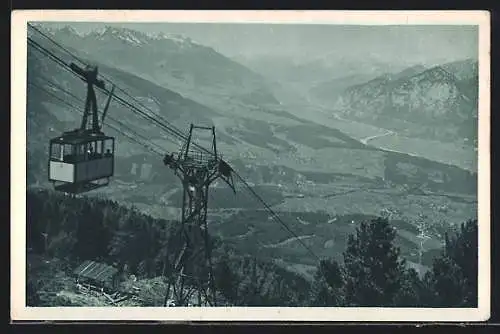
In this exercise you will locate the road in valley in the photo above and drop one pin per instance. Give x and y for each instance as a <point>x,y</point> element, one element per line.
<point>367,139</point>
<point>289,240</point>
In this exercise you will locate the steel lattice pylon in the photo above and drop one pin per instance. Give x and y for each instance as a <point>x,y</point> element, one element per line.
<point>192,268</point>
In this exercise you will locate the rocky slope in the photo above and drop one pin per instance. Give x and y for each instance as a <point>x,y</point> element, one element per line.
<point>443,98</point>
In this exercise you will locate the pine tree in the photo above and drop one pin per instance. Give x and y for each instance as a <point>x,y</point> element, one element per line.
<point>453,278</point>
<point>226,280</point>
<point>32,297</point>
<point>374,271</point>
<point>463,249</point>
<point>327,289</point>
<point>412,290</point>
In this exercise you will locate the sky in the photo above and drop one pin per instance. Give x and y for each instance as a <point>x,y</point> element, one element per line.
<point>306,42</point>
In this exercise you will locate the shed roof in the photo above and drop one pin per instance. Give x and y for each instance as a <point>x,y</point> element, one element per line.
<point>95,270</point>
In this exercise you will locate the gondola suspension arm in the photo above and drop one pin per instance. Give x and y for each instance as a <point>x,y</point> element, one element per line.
<point>105,110</point>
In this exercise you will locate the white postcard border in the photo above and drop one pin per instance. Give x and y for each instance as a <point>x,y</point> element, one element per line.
<point>18,168</point>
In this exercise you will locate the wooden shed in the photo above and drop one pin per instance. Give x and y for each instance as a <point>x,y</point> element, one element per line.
<point>97,274</point>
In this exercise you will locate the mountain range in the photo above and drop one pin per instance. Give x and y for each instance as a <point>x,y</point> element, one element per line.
<point>176,62</point>
<point>441,100</point>
<point>437,102</point>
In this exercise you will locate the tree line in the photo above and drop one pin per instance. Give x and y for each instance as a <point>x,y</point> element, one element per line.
<point>372,272</point>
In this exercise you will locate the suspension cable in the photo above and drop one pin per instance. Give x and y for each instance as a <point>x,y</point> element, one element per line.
<point>58,87</point>
<point>81,111</point>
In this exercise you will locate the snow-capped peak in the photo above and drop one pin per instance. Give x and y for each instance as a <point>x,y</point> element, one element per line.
<point>70,30</point>
<point>45,28</point>
<point>180,40</point>
<point>127,35</point>
<point>53,30</point>
<point>140,38</point>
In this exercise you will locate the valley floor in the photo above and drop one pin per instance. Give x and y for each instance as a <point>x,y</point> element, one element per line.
<point>458,154</point>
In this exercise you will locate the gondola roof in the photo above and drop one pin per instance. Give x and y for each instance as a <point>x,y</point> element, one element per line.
<point>79,137</point>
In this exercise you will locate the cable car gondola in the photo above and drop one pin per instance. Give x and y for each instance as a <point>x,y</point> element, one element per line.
<point>83,159</point>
